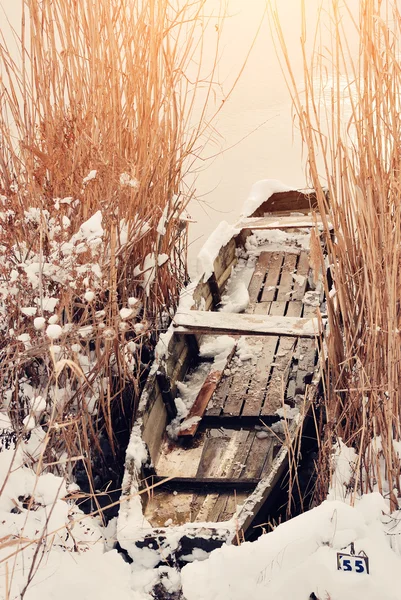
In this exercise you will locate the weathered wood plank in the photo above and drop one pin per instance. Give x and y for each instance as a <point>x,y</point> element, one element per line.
<point>236,324</point>
<point>202,399</point>
<point>240,380</point>
<point>257,457</point>
<point>302,271</point>
<point>187,484</point>
<point>282,363</point>
<point>244,447</point>
<point>280,222</point>
<point>286,279</point>
<point>180,461</point>
<point>213,450</point>
<point>224,258</point>
<point>258,277</point>
<point>262,308</point>
<point>218,453</point>
<point>218,399</point>
<point>293,200</point>
<point>306,357</point>
<point>272,278</point>
<point>257,387</point>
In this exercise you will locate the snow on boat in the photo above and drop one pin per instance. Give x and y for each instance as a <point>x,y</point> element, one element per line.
<point>233,378</point>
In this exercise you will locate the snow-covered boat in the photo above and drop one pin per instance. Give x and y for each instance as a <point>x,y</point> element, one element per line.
<point>233,378</point>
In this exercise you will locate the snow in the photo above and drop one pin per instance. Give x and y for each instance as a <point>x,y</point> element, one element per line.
<point>89,296</point>
<point>126,313</point>
<point>29,311</point>
<point>209,252</point>
<point>127,180</point>
<point>39,323</point>
<point>137,450</point>
<point>262,191</point>
<point>299,557</point>
<point>237,299</point>
<point>90,176</point>
<point>161,226</point>
<point>149,269</point>
<point>92,228</point>
<point>54,331</point>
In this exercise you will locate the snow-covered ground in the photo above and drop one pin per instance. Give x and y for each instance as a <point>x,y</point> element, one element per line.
<point>67,554</point>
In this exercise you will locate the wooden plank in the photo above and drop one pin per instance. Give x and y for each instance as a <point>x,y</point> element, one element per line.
<point>219,397</point>
<point>258,277</point>
<point>218,508</point>
<point>282,363</point>
<point>218,453</point>
<point>286,279</point>
<point>194,321</point>
<point>163,506</point>
<point>241,379</point>
<point>187,484</point>
<point>230,507</point>
<point>302,271</point>
<point>260,450</point>
<point>280,222</point>
<point>306,357</point>
<point>244,447</point>
<point>180,461</point>
<point>257,387</point>
<point>165,388</point>
<point>202,399</point>
<point>224,258</point>
<point>226,274</point>
<point>293,201</point>
<point>262,308</point>
<point>272,278</point>
<point>205,503</point>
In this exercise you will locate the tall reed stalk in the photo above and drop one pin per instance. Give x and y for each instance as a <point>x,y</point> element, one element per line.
<point>348,113</point>
<point>96,122</point>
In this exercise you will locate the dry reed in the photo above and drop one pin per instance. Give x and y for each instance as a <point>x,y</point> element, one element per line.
<point>97,115</point>
<point>348,114</point>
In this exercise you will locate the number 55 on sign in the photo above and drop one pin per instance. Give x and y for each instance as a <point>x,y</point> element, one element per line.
<point>352,563</point>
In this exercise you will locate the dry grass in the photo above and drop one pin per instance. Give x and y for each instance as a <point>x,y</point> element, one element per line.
<point>348,114</point>
<point>101,87</point>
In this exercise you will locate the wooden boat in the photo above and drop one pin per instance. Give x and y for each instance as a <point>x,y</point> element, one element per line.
<point>205,486</point>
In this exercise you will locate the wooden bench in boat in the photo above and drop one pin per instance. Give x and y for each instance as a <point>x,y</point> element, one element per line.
<point>196,321</point>
<point>281,222</point>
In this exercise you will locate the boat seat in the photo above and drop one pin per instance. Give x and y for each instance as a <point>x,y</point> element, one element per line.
<point>216,323</point>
